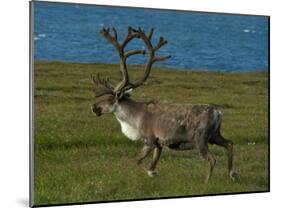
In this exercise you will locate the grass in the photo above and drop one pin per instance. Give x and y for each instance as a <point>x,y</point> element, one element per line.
<point>82,158</point>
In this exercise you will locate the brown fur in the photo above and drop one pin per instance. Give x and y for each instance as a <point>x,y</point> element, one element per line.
<point>176,126</point>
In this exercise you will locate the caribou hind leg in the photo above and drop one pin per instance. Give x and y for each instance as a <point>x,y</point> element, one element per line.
<point>228,145</point>
<point>205,153</point>
<point>202,146</point>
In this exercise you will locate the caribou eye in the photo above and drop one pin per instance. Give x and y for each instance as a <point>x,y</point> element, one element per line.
<point>119,95</point>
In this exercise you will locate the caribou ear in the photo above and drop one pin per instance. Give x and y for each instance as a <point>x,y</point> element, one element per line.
<point>122,94</point>
<point>128,92</point>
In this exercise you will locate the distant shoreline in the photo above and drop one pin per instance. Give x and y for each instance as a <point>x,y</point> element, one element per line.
<point>155,67</point>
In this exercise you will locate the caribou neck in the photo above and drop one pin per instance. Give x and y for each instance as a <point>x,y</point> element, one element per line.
<point>128,111</point>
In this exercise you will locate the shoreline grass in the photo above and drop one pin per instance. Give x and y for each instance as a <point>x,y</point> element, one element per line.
<point>79,157</point>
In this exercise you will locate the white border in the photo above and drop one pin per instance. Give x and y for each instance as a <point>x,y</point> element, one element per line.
<point>31,105</point>
<point>237,6</point>
<point>15,101</point>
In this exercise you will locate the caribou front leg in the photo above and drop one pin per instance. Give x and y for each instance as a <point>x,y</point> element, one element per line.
<point>156,155</point>
<point>145,151</point>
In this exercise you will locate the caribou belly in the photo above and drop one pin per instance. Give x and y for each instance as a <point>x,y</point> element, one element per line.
<point>129,131</point>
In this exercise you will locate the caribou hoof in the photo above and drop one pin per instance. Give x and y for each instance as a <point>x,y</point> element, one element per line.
<point>152,173</point>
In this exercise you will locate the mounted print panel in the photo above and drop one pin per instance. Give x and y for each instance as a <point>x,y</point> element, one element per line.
<point>136,103</point>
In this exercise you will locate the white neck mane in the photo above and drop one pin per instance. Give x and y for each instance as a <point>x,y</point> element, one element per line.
<point>129,123</point>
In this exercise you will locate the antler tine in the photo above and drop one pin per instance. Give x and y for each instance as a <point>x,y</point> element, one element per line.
<point>104,31</point>
<point>134,30</point>
<point>107,83</point>
<point>112,39</point>
<point>151,54</point>
<point>130,29</point>
<point>104,81</point>
<point>133,52</point>
<point>98,78</point>
<point>95,80</point>
<point>161,58</point>
<point>101,82</point>
<point>150,33</point>
<point>132,33</point>
<point>115,34</point>
<point>161,42</point>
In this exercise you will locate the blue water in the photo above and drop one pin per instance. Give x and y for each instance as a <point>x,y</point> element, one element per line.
<point>70,32</point>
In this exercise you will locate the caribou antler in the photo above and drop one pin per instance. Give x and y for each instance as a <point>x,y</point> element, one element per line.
<point>112,37</point>
<point>151,54</point>
<point>102,85</point>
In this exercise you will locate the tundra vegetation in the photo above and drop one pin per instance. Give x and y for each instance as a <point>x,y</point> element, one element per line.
<point>82,158</point>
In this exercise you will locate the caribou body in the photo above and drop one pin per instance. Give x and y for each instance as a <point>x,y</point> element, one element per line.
<point>157,124</point>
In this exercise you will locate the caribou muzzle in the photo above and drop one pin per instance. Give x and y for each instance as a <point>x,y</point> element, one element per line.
<point>96,110</point>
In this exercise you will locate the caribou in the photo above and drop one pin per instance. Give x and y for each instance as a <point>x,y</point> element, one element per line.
<point>157,124</point>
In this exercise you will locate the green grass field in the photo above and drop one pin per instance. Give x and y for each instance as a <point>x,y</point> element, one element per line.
<point>83,158</point>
